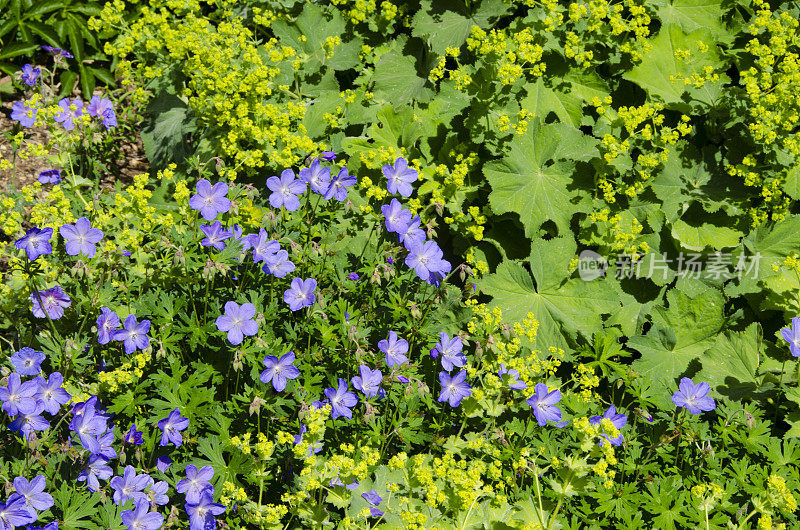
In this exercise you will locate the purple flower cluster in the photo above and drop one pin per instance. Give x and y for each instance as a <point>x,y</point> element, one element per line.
<point>425,257</point>
<point>81,237</point>
<point>395,349</point>
<point>238,322</point>
<point>25,402</point>
<point>341,400</point>
<point>792,336</point>
<point>210,200</point>
<point>279,370</point>
<point>103,109</point>
<point>199,492</point>
<point>543,402</point>
<point>69,111</point>
<point>57,52</point>
<point>451,351</point>
<point>368,382</point>
<point>374,500</point>
<point>454,388</point>
<point>215,235</point>
<point>35,242</point>
<point>50,303</point>
<point>399,177</point>
<point>90,424</point>
<point>694,397</point>
<point>171,428</point>
<point>301,293</point>
<point>286,189</point>
<point>24,113</point>
<point>30,74</point>
<point>133,334</point>
<point>27,361</point>
<point>22,506</point>
<point>50,176</point>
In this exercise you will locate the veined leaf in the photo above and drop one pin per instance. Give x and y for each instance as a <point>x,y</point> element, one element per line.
<point>675,58</point>
<point>699,237</point>
<point>530,182</point>
<point>732,362</point>
<point>564,307</point>
<point>397,81</point>
<point>680,334</point>
<point>692,15</point>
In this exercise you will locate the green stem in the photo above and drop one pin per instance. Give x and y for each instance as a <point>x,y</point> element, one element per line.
<point>567,482</point>
<point>540,513</point>
<point>749,515</point>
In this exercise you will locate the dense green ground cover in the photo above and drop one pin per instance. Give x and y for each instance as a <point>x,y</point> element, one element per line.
<point>527,264</point>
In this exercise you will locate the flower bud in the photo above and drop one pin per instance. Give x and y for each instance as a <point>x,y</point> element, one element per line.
<point>369,414</point>
<point>255,406</point>
<point>179,259</point>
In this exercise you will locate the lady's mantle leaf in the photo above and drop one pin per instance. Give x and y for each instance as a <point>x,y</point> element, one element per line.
<point>530,182</point>
<point>564,307</point>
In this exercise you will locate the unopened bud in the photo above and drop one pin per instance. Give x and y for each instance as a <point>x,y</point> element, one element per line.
<point>255,406</point>
<point>369,414</point>
<point>751,421</point>
<point>180,257</point>
<point>79,270</point>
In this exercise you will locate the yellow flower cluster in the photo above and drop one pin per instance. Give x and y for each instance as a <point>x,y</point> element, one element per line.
<point>586,380</point>
<point>264,17</point>
<point>357,10</point>
<point>621,232</point>
<point>779,495</point>
<point>772,105</point>
<point>230,494</point>
<point>645,148</point>
<point>130,371</point>
<point>263,447</point>
<point>707,495</point>
<point>466,478</point>
<point>514,54</point>
<point>590,436</point>
<point>585,24</point>
<point>53,209</point>
<point>791,262</point>
<point>10,219</point>
<point>227,76</point>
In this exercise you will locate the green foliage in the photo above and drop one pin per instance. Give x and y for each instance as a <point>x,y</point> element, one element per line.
<point>654,141</point>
